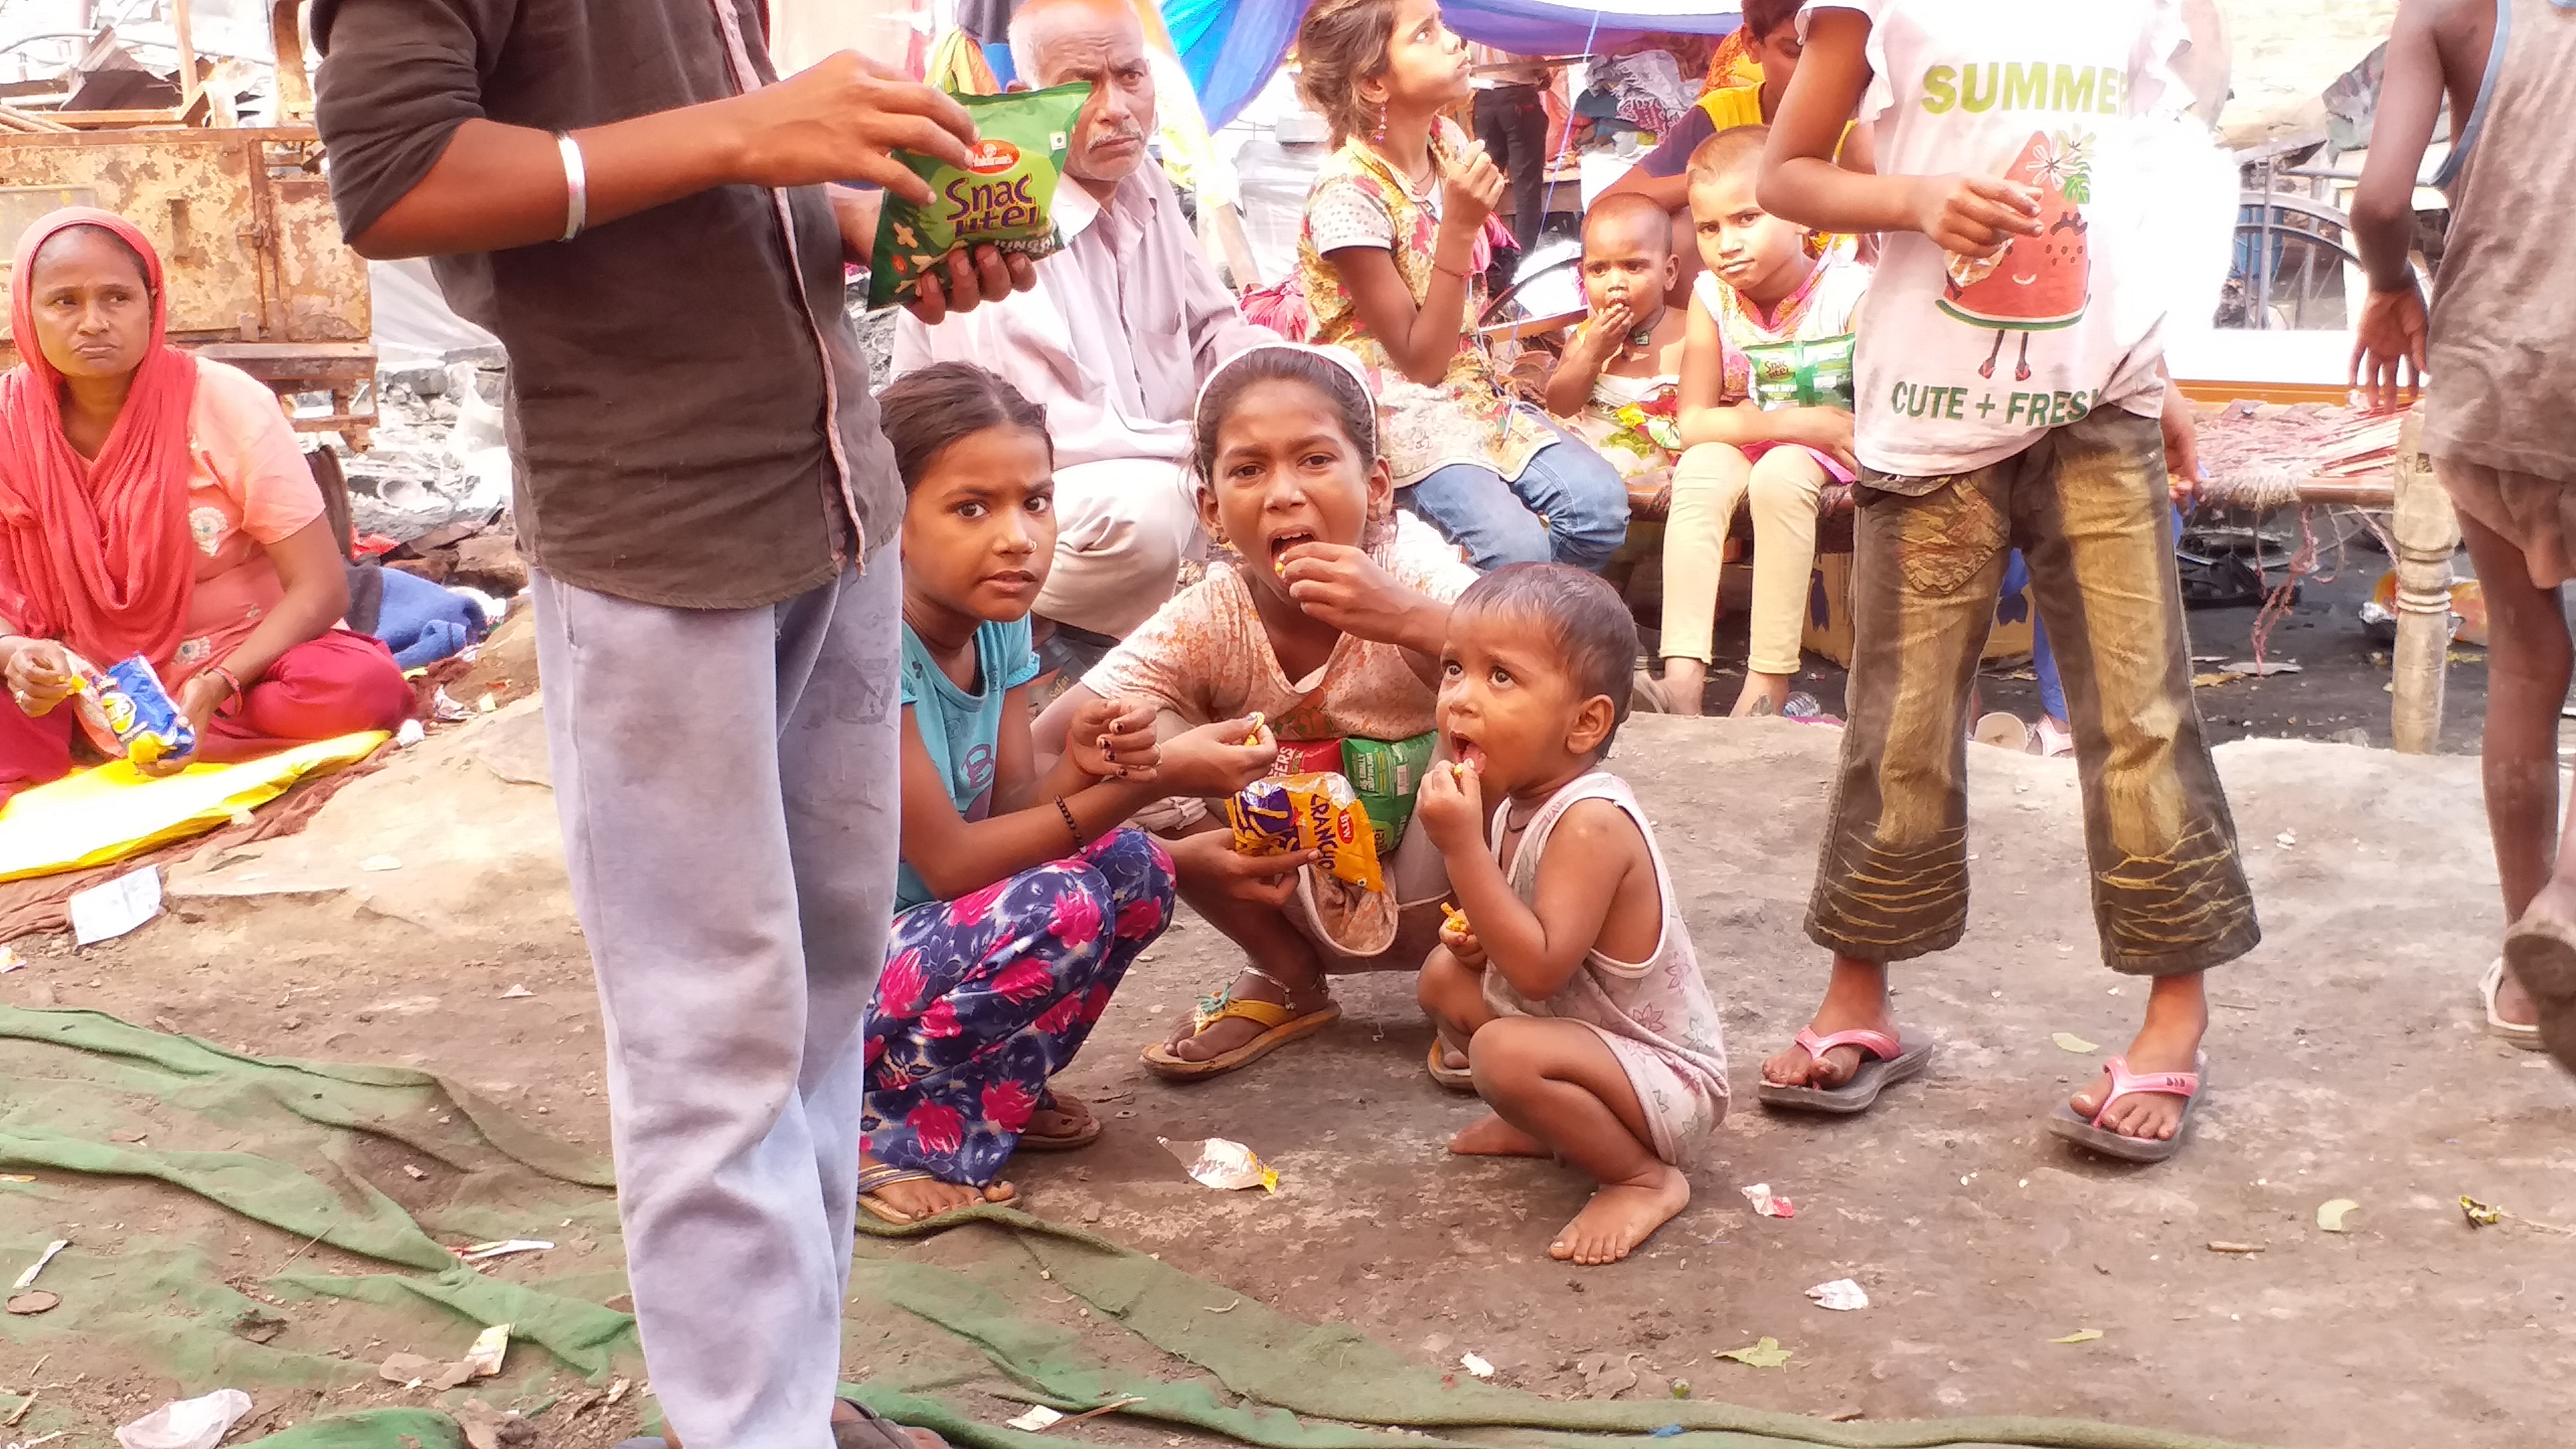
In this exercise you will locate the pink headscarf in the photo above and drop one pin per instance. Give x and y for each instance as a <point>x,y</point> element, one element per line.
<point>96,553</point>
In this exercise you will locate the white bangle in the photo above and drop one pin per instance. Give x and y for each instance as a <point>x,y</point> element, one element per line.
<point>576,186</point>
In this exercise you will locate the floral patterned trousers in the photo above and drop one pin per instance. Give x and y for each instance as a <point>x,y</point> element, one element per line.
<point>985,997</point>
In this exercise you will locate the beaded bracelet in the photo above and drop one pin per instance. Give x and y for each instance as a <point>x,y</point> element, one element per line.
<point>1070,827</point>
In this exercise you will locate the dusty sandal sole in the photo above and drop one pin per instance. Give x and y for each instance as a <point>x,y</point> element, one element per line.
<point>2521,1035</point>
<point>1071,1143</point>
<point>1163,1064</point>
<point>1859,1094</point>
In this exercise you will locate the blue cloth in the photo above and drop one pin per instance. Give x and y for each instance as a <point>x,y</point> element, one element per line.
<point>1231,48</point>
<point>962,731</point>
<point>423,623</point>
<point>1569,505</point>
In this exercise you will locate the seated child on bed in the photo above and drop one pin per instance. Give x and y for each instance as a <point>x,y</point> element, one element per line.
<point>1766,411</point>
<point>1618,387</point>
<point>1569,980</point>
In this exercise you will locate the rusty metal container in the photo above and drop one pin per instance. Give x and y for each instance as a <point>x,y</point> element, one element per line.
<point>258,274</point>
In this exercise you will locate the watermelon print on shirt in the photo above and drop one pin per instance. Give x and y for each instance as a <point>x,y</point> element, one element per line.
<point>1964,362</point>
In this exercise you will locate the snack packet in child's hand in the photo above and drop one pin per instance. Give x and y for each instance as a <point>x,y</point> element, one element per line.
<point>130,703</point>
<point>1005,196</point>
<point>1308,812</point>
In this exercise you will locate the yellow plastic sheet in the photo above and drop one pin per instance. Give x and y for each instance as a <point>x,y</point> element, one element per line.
<point>96,817</point>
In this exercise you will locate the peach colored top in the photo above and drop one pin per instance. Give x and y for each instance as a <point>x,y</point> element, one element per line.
<point>248,487</point>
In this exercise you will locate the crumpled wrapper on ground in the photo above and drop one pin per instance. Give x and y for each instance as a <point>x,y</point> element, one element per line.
<point>188,1423</point>
<point>1224,1165</point>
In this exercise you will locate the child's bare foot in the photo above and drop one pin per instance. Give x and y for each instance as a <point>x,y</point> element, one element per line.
<point>1855,1000</point>
<point>1620,1216</point>
<point>1762,694</point>
<point>2168,1041</point>
<point>1491,1136</point>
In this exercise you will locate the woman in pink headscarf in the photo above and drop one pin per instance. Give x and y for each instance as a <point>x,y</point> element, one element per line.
<point>154,503</point>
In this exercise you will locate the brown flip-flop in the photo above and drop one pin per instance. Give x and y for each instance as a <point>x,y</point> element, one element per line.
<point>1451,1079</point>
<point>1080,1137</point>
<point>1279,1028</point>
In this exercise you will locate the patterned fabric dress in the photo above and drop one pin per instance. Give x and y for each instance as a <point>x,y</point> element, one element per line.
<point>1358,200</point>
<point>1655,1015</point>
<point>987,996</point>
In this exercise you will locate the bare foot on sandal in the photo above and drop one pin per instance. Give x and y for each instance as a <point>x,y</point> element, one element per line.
<point>1855,1000</point>
<point>1491,1136</point>
<point>1620,1216</point>
<point>1190,1044</point>
<point>2169,1041</point>
<point>919,1198</point>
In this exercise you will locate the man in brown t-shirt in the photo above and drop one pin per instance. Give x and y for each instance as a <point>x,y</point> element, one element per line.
<point>625,193</point>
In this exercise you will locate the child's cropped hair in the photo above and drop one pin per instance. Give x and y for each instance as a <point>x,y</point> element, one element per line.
<point>923,412</point>
<point>1580,616</point>
<point>1737,148</point>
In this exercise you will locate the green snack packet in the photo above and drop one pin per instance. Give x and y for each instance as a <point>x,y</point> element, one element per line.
<point>1802,374</point>
<point>1006,198</point>
<point>1385,775</point>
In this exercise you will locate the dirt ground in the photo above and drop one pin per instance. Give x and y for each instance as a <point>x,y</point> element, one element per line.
<point>2347,1062</point>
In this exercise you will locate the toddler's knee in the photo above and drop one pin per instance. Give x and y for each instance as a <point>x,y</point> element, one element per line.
<point>1444,986</point>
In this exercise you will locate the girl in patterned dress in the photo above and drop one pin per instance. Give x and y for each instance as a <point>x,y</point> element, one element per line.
<point>1021,900</point>
<point>1392,257</point>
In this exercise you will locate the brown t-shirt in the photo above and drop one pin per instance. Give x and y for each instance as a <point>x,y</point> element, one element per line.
<point>675,374</point>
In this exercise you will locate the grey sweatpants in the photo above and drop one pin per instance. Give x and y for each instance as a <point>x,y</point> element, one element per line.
<point>727,783</point>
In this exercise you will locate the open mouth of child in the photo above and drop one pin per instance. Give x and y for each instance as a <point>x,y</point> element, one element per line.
<point>1280,543</point>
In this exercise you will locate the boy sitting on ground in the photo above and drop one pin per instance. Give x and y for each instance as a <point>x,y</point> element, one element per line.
<point>1618,385</point>
<point>1569,982</point>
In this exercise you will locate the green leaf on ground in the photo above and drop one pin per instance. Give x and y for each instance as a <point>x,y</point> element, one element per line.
<point>2081,1335</point>
<point>1766,1354</point>
<point>2069,1041</point>
<point>2330,1215</point>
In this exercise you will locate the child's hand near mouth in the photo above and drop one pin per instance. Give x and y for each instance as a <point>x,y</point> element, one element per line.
<point>1452,807</point>
<point>1342,586</point>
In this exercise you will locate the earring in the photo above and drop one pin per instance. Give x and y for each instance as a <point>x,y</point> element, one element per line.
<point>1381,123</point>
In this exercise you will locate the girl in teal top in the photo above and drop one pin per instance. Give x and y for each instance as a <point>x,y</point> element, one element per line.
<point>1021,898</point>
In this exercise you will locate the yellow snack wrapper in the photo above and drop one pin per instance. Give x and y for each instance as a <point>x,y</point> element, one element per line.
<point>1308,812</point>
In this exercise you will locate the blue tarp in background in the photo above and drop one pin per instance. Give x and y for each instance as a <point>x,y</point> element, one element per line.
<point>1231,48</point>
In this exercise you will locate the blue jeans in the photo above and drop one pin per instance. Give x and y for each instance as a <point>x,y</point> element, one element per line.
<point>1568,505</point>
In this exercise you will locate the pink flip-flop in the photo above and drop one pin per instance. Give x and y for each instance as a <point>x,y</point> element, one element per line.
<point>2098,1138</point>
<point>1885,1061</point>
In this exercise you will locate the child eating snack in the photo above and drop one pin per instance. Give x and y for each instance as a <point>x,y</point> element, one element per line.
<point>1770,334</point>
<point>1571,983</point>
<point>1325,616</point>
<point>1021,902</point>
<point>1393,259</point>
<point>1617,385</point>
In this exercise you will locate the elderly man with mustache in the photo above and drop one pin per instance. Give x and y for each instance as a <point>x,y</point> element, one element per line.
<point>1114,339</point>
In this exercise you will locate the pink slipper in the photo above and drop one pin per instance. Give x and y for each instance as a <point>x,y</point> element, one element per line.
<point>1885,1061</point>
<point>2093,1135</point>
